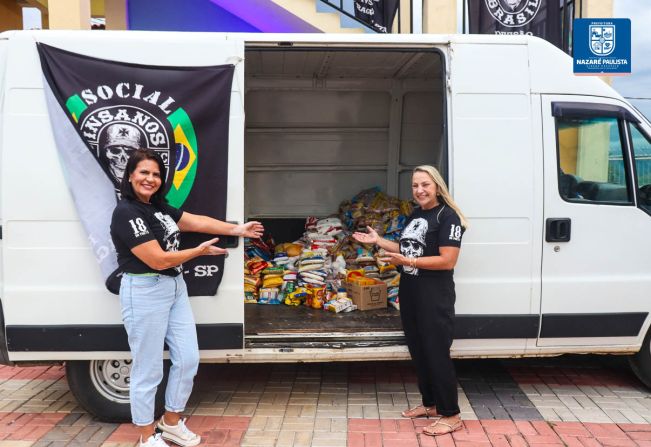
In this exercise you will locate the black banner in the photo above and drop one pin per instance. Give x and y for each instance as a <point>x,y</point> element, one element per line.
<point>378,14</point>
<point>114,107</point>
<point>533,17</point>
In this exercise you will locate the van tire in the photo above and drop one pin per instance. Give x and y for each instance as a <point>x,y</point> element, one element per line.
<point>101,388</point>
<point>641,362</point>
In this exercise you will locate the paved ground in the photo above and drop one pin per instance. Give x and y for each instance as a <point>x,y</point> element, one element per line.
<point>573,401</point>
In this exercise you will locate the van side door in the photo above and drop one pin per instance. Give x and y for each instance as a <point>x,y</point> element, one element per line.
<point>495,179</point>
<point>596,268</point>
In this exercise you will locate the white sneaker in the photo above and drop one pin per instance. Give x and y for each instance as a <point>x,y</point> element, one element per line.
<point>154,441</point>
<point>179,433</point>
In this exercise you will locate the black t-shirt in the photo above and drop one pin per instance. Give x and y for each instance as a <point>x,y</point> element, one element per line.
<point>426,231</point>
<point>134,223</point>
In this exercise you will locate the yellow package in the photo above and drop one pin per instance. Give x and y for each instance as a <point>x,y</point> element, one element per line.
<point>387,268</point>
<point>273,276</point>
<point>276,281</point>
<point>296,297</point>
<point>354,274</point>
<point>318,297</point>
<point>293,249</point>
<point>362,281</point>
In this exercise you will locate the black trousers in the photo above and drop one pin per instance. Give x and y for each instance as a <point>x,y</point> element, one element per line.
<point>427,313</point>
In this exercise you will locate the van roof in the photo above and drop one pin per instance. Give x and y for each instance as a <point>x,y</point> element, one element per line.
<point>551,70</point>
<point>298,37</point>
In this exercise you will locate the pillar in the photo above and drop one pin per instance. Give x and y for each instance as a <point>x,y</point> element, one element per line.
<point>69,14</point>
<point>115,12</point>
<point>597,9</point>
<point>11,15</point>
<point>439,16</point>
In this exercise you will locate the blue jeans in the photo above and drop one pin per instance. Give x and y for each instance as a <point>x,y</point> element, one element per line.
<point>156,310</point>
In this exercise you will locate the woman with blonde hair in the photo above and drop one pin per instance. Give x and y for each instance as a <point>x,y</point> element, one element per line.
<point>427,252</point>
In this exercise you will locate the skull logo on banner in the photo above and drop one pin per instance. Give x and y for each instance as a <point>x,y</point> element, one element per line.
<point>513,4</point>
<point>412,242</point>
<point>121,139</point>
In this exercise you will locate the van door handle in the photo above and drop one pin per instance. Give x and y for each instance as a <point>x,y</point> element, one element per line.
<point>558,229</point>
<point>229,241</point>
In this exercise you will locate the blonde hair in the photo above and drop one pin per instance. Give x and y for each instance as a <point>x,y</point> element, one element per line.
<point>442,190</point>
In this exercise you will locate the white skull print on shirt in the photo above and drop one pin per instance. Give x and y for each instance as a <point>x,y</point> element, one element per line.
<point>425,232</point>
<point>171,235</point>
<point>412,242</point>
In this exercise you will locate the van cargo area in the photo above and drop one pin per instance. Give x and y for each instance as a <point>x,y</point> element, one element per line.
<point>323,124</point>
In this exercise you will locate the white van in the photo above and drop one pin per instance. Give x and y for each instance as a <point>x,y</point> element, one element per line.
<point>552,170</point>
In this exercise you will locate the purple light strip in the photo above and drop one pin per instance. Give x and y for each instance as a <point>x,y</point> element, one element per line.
<point>267,16</point>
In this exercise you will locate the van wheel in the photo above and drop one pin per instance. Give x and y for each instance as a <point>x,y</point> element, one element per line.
<point>641,362</point>
<point>102,388</point>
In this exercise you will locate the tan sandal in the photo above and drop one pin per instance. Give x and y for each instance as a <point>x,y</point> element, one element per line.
<point>449,428</point>
<point>420,411</point>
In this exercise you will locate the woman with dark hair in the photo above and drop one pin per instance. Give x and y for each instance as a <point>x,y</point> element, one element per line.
<point>154,299</point>
<point>427,252</point>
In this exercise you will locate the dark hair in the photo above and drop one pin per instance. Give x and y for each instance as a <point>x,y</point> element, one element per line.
<point>126,191</point>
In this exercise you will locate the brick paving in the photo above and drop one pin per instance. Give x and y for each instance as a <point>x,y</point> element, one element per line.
<point>494,394</point>
<point>575,401</point>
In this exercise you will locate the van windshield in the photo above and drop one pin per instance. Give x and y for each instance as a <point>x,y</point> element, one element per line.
<point>643,106</point>
<point>642,154</point>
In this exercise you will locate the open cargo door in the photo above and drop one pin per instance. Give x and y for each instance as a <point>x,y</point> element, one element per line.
<point>492,134</point>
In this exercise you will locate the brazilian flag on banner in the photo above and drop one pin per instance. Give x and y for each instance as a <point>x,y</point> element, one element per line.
<point>101,111</point>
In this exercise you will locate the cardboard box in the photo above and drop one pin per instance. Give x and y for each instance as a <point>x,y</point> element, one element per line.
<point>368,297</point>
